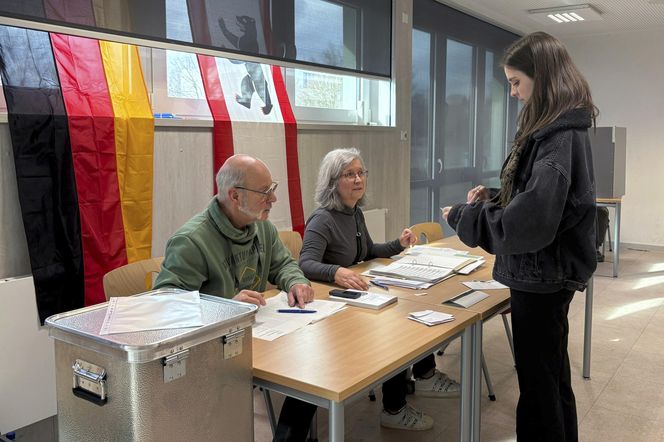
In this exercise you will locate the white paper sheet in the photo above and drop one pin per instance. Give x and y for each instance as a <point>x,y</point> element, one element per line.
<point>271,324</point>
<point>471,267</point>
<point>469,299</point>
<point>484,285</point>
<point>157,312</point>
<point>398,282</point>
<point>428,250</point>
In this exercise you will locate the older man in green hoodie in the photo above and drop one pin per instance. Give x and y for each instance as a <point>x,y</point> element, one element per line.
<point>231,249</point>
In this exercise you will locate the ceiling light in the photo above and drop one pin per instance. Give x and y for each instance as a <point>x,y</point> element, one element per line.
<point>565,14</point>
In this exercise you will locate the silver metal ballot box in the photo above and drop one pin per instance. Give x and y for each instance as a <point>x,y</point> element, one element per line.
<point>186,384</point>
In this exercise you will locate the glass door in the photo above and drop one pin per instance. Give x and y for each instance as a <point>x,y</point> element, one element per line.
<point>462,117</point>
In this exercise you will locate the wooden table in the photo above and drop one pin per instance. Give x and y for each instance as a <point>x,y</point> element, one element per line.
<point>497,301</point>
<point>616,203</point>
<point>342,357</point>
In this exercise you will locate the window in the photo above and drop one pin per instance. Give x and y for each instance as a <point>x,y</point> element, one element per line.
<point>462,118</point>
<point>326,33</point>
<point>176,85</point>
<point>340,99</point>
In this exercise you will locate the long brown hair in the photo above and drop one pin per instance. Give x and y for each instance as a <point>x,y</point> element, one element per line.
<point>558,85</point>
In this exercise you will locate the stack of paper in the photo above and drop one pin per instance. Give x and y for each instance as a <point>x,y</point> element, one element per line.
<point>372,300</point>
<point>270,324</point>
<point>397,282</point>
<point>472,266</point>
<point>414,271</point>
<point>484,285</point>
<point>431,317</point>
<point>459,260</point>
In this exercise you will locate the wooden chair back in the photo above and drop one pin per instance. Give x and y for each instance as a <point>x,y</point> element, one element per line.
<point>292,241</point>
<point>131,279</point>
<point>427,232</point>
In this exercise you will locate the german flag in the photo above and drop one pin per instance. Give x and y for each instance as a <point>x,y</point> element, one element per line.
<point>84,175</point>
<point>44,168</point>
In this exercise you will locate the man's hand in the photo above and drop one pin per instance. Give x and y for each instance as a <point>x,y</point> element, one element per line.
<point>251,297</point>
<point>349,279</point>
<point>300,294</point>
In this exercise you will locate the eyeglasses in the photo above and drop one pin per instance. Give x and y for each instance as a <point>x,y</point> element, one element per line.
<point>266,193</point>
<point>351,175</point>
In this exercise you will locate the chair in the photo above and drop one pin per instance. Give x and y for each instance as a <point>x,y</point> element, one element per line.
<point>427,232</point>
<point>131,279</point>
<point>292,241</point>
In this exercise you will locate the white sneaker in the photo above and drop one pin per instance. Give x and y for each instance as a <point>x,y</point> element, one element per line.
<point>408,418</point>
<point>439,385</point>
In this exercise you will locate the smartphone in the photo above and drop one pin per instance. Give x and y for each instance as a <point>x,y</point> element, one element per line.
<point>346,294</point>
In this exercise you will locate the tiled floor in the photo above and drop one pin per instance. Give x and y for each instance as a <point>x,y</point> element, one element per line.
<point>623,400</point>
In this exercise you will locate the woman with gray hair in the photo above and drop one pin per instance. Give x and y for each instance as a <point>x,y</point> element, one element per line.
<point>335,238</point>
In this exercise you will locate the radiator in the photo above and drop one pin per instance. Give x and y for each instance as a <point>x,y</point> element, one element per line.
<point>375,219</point>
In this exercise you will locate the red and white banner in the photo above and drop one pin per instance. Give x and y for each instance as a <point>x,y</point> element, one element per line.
<point>252,112</point>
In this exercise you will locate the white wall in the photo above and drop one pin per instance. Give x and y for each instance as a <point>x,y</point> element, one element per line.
<point>625,74</point>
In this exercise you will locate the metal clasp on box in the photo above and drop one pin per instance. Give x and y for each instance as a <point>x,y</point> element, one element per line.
<point>175,365</point>
<point>89,382</point>
<point>233,344</point>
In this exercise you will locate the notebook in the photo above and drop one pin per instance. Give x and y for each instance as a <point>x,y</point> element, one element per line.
<point>426,268</point>
<point>369,299</point>
<point>415,272</point>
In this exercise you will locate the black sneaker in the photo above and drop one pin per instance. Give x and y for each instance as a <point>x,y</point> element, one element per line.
<point>600,256</point>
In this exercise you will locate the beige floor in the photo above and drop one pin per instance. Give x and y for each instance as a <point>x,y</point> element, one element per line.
<point>623,400</point>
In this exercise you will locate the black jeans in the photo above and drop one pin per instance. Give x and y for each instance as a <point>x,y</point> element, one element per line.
<point>546,410</point>
<point>395,388</point>
<point>295,417</point>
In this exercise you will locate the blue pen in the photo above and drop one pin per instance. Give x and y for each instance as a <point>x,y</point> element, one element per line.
<point>295,310</point>
<point>378,284</point>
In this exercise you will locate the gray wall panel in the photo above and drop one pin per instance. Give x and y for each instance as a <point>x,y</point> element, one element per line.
<point>14,260</point>
<point>183,179</point>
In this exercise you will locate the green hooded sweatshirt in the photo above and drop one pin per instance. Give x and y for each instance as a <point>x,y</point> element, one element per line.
<point>210,255</point>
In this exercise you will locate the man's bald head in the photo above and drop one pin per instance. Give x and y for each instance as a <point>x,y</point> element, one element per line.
<point>239,170</point>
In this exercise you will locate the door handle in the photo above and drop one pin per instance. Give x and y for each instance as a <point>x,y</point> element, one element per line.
<point>440,165</point>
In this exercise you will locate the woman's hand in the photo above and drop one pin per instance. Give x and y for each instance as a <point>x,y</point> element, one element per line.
<point>407,238</point>
<point>477,193</point>
<point>445,212</point>
<point>349,279</point>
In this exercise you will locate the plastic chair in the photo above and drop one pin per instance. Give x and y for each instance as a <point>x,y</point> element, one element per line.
<point>131,279</point>
<point>293,242</point>
<point>427,232</point>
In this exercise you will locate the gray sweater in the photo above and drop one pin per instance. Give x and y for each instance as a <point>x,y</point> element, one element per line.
<point>331,241</point>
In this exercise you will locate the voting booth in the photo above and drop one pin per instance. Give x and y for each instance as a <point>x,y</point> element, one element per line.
<point>609,147</point>
<point>175,384</point>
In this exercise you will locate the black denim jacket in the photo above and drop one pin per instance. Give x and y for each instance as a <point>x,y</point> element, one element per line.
<point>544,239</point>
